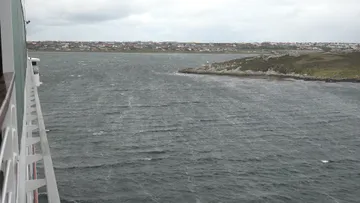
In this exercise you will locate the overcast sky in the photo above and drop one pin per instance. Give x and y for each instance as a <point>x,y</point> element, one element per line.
<point>194,20</point>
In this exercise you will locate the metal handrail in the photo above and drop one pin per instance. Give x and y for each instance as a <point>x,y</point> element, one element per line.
<point>3,145</point>
<point>51,185</point>
<point>9,147</point>
<point>5,104</point>
<point>6,181</point>
<point>17,181</point>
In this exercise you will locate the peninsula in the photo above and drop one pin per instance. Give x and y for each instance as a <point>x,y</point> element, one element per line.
<point>321,66</point>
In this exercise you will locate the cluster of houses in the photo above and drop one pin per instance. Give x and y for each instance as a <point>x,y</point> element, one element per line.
<point>184,47</point>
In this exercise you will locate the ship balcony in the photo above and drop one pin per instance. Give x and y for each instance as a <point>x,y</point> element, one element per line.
<point>9,149</point>
<point>19,181</point>
<point>6,89</point>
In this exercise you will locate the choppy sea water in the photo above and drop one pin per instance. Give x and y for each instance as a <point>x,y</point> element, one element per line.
<point>128,128</point>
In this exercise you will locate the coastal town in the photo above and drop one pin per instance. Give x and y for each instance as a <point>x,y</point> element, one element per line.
<point>190,47</point>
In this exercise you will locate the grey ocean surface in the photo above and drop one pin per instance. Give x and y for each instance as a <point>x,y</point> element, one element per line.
<point>128,128</point>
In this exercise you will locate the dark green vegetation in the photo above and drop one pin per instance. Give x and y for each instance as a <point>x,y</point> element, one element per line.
<point>337,66</point>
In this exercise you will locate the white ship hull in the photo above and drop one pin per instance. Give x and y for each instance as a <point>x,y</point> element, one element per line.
<point>23,136</point>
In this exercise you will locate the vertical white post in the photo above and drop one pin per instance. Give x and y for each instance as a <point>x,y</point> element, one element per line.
<point>23,169</point>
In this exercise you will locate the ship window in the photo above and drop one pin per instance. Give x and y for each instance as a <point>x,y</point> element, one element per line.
<point>33,63</point>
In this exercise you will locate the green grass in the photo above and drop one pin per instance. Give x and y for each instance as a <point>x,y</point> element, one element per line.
<point>322,65</point>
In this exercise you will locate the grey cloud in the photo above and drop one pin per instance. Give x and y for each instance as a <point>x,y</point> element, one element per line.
<point>94,16</point>
<point>80,12</point>
<point>196,20</point>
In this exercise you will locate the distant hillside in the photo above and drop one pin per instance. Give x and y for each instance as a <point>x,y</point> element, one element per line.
<point>311,66</point>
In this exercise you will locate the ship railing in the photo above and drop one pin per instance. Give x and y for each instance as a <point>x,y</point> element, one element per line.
<point>35,133</point>
<point>9,148</point>
<point>19,181</point>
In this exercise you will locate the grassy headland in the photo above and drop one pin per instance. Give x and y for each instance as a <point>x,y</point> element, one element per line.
<point>310,66</point>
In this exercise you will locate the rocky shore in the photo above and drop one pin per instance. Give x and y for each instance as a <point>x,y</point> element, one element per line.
<point>328,67</point>
<point>266,75</point>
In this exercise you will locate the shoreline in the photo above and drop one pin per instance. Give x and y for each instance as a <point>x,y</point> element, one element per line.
<point>148,52</point>
<point>267,76</point>
<point>250,52</point>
